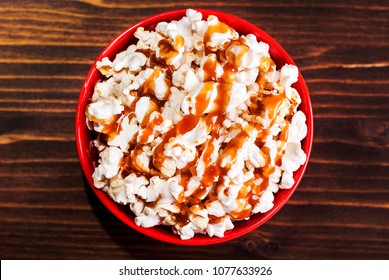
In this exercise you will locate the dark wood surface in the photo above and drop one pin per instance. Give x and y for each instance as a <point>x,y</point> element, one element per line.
<point>341,208</point>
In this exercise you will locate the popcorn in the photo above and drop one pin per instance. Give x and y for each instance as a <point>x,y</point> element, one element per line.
<point>122,140</point>
<point>103,110</point>
<point>109,165</point>
<point>197,128</point>
<point>129,59</point>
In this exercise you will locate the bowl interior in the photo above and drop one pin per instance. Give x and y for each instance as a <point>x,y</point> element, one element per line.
<point>88,155</point>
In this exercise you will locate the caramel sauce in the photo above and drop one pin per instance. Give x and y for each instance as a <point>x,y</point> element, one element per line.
<point>222,99</point>
<point>211,171</point>
<point>256,190</point>
<point>185,177</point>
<point>181,197</point>
<point>229,71</point>
<point>243,213</point>
<point>147,87</point>
<point>154,203</point>
<point>236,59</point>
<point>153,106</point>
<point>126,165</point>
<point>179,42</point>
<point>203,98</point>
<point>168,50</point>
<point>210,174</point>
<point>264,172</point>
<point>188,123</point>
<point>215,220</point>
<point>156,61</point>
<point>146,52</point>
<point>271,104</point>
<point>200,192</point>
<point>161,147</point>
<point>245,189</point>
<point>234,145</point>
<point>263,83</point>
<point>169,74</point>
<point>182,218</point>
<point>193,200</point>
<point>209,68</point>
<point>266,64</point>
<point>148,131</point>
<point>253,200</point>
<point>113,127</point>
<point>221,56</point>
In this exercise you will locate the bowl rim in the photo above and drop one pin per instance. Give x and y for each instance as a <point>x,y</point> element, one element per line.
<point>115,208</point>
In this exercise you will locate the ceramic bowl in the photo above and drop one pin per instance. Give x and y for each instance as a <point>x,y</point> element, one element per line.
<point>88,156</point>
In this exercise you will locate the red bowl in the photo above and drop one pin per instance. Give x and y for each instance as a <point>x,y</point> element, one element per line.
<point>88,156</point>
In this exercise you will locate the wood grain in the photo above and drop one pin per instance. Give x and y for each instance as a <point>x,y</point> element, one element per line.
<point>341,208</point>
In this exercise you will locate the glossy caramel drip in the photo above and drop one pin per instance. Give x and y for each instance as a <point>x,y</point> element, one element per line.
<point>113,127</point>
<point>271,105</point>
<point>211,171</point>
<point>215,220</point>
<point>188,123</point>
<point>148,131</point>
<point>182,218</point>
<point>234,145</point>
<point>203,98</point>
<point>148,86</point>
<point>232,57</point>
<point>168,50</point>
<point>209,68</point>
<point>229,71</point>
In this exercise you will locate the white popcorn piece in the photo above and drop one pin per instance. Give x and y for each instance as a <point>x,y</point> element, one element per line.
<point>125,136</point>
<point>109,164</point>
<point>129,59</point>
<point>289,75</point>
<point>141,108</point>
<point>140,79</point>
<point>220,228</point>
<point>105,66</point>
<point>193,185</point>
<point>298,129</point>
<point>102,110</point>
<point>259,47</point>
<point>198,217</point>
<point>147,221</point>
<point>215,208</point>
<point>147,39</point>
<point>193,15</point>
<point>133,184</point>
<point>104,90</point>
<point>220,35</point>
<point>117,190</point>
<point>186,232</point>
<point>265,202</point>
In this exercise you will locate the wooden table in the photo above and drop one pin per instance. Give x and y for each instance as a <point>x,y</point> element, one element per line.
<point>341,208</point>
